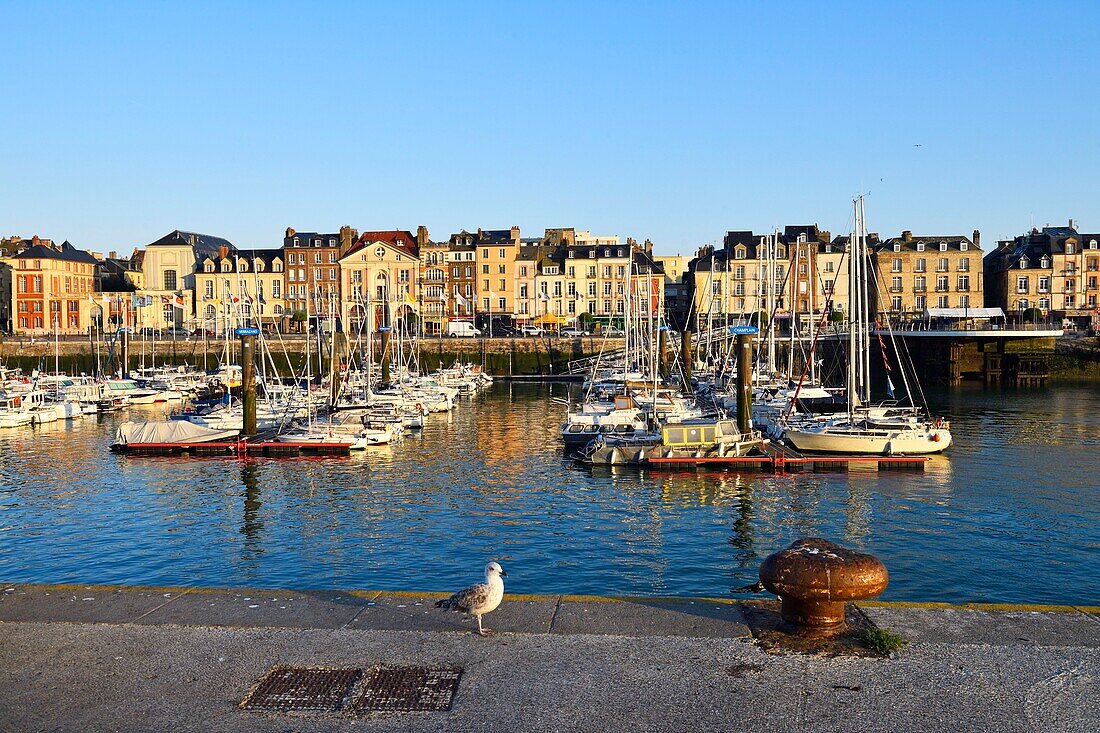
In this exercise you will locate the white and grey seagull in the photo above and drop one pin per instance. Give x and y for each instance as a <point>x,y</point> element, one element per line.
<point>479,599</point>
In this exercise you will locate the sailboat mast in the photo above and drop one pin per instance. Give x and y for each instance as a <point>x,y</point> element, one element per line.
<point>866,308</point>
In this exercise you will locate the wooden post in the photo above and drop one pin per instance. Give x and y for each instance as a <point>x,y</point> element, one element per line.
<point>124,356</point>
<point>248,379</point>
<point>685,358</point>
<point>744,383</point>
<point>385,356</point>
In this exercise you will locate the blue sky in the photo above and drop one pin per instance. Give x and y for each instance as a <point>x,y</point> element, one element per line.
<point>669,121</point>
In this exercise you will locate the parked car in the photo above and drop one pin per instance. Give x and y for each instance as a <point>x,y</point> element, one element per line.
<point>204,333</point>
<point>531,331</point>
<point>611,331</point>
<point>500,329</point>
<point>571,332</point>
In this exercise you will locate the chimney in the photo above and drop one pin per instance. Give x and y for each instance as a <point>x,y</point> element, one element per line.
<point>289,232</point>
<point>112,255</point>
<point>479,234</point>
<point>515,234</point>
<point>34,240</point>
<point>649,248</point>
<point>1071,224</point>
<point>223,251</point>
<point>977,239</point>
<point>907,236</point>
<point>422,236</point>
<point>347,238</point>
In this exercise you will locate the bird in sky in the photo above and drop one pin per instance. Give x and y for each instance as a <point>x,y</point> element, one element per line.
<point>480,598</point>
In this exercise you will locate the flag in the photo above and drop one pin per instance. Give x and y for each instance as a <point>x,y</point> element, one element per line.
<point>544,296</point>
<point>889,387</point>
<point>178,302</point>
<point>459,299</point>
<point>409,298</point>
<point>443,297</point>
<point>262,299</point>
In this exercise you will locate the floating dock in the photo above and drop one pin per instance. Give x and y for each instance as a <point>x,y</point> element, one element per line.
<point>242,447</point>
<point>781,459</point>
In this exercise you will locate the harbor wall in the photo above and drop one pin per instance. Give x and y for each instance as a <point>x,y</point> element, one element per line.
<point>502,356</point>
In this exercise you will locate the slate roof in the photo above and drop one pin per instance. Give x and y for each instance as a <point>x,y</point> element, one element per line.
<point>65,252</point>
<point>931,243</point>
<point>267,256</point>
<point>203,244</point>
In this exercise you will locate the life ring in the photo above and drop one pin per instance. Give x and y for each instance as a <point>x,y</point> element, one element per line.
<point>420,408</point>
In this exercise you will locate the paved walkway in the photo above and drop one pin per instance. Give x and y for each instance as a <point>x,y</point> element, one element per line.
<point>90,658</point>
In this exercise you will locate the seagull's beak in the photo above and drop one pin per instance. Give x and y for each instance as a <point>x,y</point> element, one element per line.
<point>503,574</point>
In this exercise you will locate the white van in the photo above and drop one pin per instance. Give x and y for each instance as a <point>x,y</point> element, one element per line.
<point>462,328</point>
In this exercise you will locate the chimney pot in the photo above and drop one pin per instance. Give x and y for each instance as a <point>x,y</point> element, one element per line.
<point>223,251</point>
<point>289,232</point>
<point>907,236</point>
<point>977,238</point>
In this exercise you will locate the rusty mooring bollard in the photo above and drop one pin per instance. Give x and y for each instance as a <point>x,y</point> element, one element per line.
<point>814,578</point>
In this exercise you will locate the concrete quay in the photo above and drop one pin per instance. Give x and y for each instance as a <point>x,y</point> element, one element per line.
<point>107,658</point>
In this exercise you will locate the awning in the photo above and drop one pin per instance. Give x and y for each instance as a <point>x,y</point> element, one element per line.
<point>963,313</point>
<point>549,319</point>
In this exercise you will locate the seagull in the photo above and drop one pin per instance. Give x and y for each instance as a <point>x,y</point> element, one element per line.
<point>479,599</point>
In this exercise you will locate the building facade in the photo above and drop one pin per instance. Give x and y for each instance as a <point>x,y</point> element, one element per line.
<point>168,273</point>
<point>53,289</point>
<point>240,288</point>
<point>380,280</point>
<point>311,261</point>
<point>915,273</point>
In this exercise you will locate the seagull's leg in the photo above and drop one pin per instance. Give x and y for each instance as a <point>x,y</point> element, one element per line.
<point>481,630</point>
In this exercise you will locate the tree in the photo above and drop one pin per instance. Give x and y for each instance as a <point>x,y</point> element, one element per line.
<point>299,318</point>
<point>587,319</point>
<point>1032,315</point>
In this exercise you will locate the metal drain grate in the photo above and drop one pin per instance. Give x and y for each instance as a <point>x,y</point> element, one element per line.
<point>408,689</point>
<point>286,689</point>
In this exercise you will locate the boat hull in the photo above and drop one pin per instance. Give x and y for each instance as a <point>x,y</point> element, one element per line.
<point>885,442</point>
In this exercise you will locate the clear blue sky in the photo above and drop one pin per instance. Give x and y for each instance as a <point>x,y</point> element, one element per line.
<point>671,121</point>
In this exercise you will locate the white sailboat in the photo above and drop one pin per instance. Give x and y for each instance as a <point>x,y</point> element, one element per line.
<point>866,429</point>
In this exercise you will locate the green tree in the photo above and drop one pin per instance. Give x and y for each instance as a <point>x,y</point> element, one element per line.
<point>1032,315</point>
<point>299,318</point>
<point>586,320</point>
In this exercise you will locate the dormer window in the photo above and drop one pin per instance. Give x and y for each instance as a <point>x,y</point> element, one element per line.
<point>943,246</point>
<point>208,266</point>
<point>572,253</point>
<point>802,238</point>
<point>739,253</point>
<point>317,242</point>
<point>242,265</point>
<point>226,267</point>
<point>1092,244</point>
<point>828,249</point>
<point>1069,248</point>
<point>1044,262</point>
<point>920,246</point>
<point>259,266</point>
<point>963,246</point>
<point>897,247</point>
<point>591,253</point>
<point>331,242</point>
<point>619,253</point>
<point>277,266</point>
<point>607,253</point>
<point>780,252</point>
<point>1024,263</point>
<point>296,243</point>
<point>400,242</point>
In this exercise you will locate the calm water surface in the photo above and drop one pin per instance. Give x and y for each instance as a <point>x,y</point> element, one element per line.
<point>1012,514</point>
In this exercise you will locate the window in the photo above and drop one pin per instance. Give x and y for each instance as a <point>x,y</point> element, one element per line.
<point>963,246</point>
<point>502,255</point>
<point>715,288</point>
<point>469,270</point>
<point>829,266</point>
<point>739,253</point>
<point>208,290</point>
<point>1044,304</point>
<point>1070,300</point>
<point>920,283</point>
<point>1092,283</point>
<point>502,303</point>
<point>942,302</point>
<point>607,288</point>
<point>739,289</point>
<point>964,284</point>
<point>208,266</point>
<point>316,258</point>
<point>591,290</point>
<point>332,273</point>
<point>895,266</point>
<point>1044,263</point>
<point>895,285</point>
<point>943,246</point>
<point>169,279</point>
<point>941,284</point>
<point>484,269</point>
<point>296,243</point>
<point>920,246</point>
<point>922,265</point>
<point>317,242</point>
<point>226,267</point>
<point>1069,248</point>
<point>1044,284</point>
<point>897,247</point>
<point>921,302</point>
<point>1021,285</point>
<point>943,265</point>
<point>276,289</point>
<point>895,303</point>
<point>739,272</point>
<point>827,287</point>
<point>277,266</point>
<point>500,269</point>
<point>620,271</point>
<point>317,274</point>
<point>607,270</point>
<point>1024,262</point>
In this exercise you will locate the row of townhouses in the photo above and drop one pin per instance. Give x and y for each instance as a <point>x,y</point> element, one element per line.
<point>350,280</point>
<point>346,280</point>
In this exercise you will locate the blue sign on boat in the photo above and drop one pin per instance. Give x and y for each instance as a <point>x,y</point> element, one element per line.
<point>247,332</point>
<point>744,330</point>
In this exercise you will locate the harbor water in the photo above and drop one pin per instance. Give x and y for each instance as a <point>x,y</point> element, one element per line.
<point>1011,514</point>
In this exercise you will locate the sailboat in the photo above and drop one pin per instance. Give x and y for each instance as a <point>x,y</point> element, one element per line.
<point>864,428</point>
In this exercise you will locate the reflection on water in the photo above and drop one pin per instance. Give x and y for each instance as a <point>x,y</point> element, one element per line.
<point>1010,515</point>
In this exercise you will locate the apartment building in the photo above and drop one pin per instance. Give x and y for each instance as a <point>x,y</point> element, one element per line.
<point>311,261</point>
<point>380,281</point>
<point>462,264</point>
<point>915,273</point>
<point>496,251</point>
<point>240,288</point>
<point>52,289</point>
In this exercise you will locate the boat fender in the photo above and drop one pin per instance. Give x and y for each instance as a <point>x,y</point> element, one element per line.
<point>420,408</point>
<point>935,437</point>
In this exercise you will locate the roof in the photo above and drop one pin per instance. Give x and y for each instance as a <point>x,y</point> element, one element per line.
<point>954,242</point>
<point>203,244</point>
<point>64,251</point>
<point>400,239</point>
<point>267,256</point>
